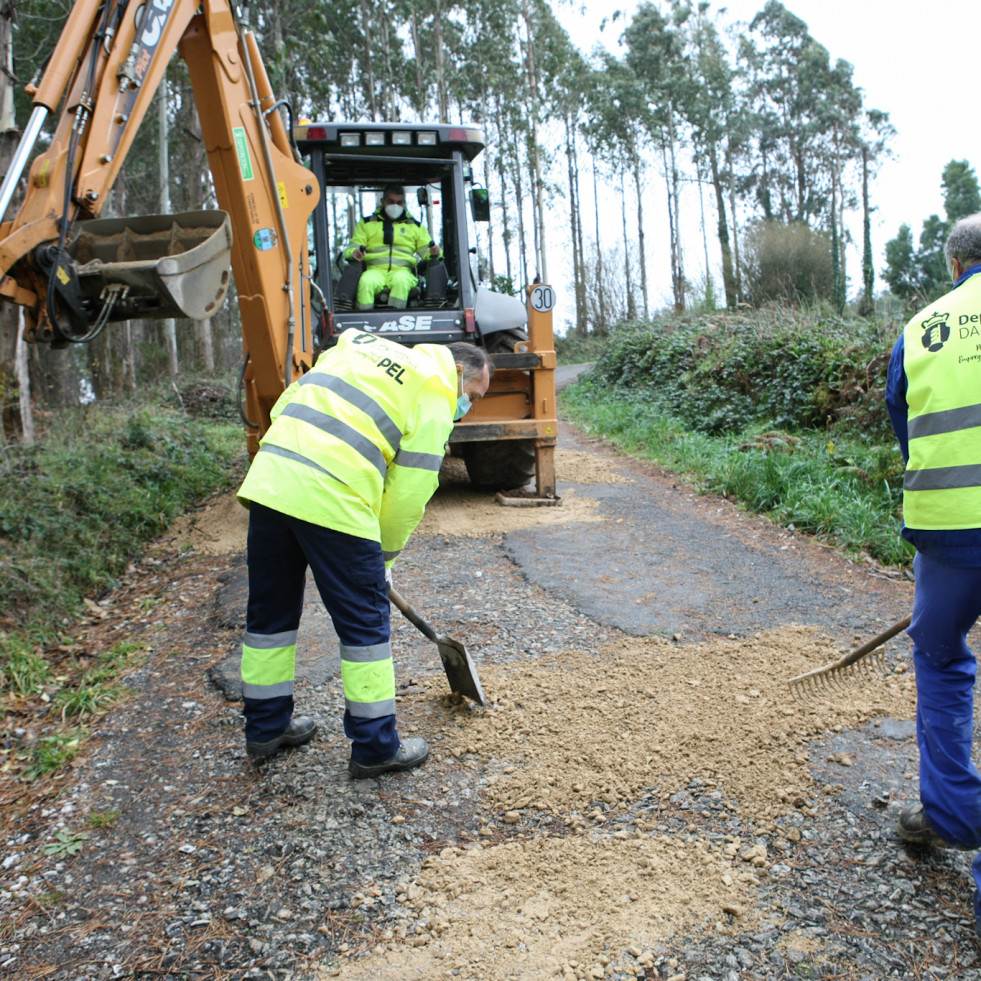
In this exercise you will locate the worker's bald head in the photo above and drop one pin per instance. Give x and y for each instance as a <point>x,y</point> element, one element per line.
<point>964,243</point>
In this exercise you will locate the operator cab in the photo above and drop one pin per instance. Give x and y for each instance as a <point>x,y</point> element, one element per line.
<point>353,163</point>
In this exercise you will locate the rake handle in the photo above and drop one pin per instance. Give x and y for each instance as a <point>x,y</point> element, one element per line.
<point>875,642</point>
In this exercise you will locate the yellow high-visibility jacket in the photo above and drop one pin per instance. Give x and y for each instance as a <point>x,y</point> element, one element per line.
<point>356,443</point>
<point>390,244</point>
<point>942,361</point>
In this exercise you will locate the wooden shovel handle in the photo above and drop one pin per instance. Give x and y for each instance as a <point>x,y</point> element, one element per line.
<point>410,614</point>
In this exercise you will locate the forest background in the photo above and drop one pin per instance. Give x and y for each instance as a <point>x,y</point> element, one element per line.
<point>696,162</point>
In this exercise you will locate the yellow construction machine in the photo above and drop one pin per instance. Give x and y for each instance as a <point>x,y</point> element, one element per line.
<point>287,197</point>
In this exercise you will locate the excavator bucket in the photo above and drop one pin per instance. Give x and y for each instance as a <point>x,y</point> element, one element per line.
<point>149,266</point>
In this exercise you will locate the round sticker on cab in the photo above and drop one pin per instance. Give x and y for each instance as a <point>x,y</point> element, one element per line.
<point>265,239</point>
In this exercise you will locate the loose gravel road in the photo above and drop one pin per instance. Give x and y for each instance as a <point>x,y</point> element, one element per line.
<point>643,798</point>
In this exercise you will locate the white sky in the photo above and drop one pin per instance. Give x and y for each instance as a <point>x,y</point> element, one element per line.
<point>909,59</point>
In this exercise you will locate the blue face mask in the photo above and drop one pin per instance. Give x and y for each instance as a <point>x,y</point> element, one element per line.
<point>463,406</point>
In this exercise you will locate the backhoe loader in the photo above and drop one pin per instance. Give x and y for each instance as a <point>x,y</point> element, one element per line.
<point>286,197</point>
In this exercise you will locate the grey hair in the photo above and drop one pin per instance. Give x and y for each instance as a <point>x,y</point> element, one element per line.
<point>473,359</point>
<point>964,241</point>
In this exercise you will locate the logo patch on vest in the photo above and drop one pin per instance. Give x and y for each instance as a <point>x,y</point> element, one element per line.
<point>936,331</point>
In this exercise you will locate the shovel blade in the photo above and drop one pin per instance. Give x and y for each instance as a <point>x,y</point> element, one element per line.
<point>459,668</point>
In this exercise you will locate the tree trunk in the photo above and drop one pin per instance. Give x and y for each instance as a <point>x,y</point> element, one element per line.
<point>578,277</point>
<point>641,239</point>
<point>367,63</point>
<point>728,278</point>
<point>631,304</point>
<point>420,100</point>
<point>678,262</point>
<point>24,384</point>
<point>866,305</point>
<point>535,166</point>
<point>737,271</point>
<point>204,345</point>
<point>442,92</point>
<point>490,224</point>
<point>601,325</point>
<point>672,229</point>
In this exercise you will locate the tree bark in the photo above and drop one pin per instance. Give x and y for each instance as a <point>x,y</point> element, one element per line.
<point>641,239</point>
<point>631,302</point>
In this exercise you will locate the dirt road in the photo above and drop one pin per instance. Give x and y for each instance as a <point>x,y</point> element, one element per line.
<point>642,799</point>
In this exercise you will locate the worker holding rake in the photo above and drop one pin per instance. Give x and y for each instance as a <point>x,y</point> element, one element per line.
<point>933,395</point>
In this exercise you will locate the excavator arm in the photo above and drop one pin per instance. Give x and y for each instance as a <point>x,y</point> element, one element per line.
<point>74,271</point>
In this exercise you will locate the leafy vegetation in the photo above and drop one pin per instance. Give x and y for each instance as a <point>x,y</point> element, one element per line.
<point>75,510</point>
<point>780,412</point>
<point>919,275</point>
<point>77,506</point>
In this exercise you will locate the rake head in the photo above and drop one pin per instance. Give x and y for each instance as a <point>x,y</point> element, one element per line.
<point>866,663</point>
<point>837,677</point>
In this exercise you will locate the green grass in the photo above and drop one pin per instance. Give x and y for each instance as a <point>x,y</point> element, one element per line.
<point>97,689</point>
<point>845,491</point>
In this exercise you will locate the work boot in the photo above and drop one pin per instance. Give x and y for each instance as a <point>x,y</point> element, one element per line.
<point>412,752</point>
<point>914,828</point>
<point>298,732</point>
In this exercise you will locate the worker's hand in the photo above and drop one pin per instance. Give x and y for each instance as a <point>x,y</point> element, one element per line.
<point>433,250</point>
<point>388,577</point>
<point>358,254</point>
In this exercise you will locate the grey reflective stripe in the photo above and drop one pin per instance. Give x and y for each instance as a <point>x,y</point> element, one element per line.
<point>391,555</point>
<point>335,427</point>
<point>943,478</point>
<point>419,461</point>
<point>365,655</point>
<point>269,642</point>
<point>370,710</point>
<point>295,457</point>
<point>360,400</point>
<point>268,691</point>
<point>395,257</point>
<point>947,421</point>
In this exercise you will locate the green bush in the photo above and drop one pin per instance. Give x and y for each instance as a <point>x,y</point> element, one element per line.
<point>786,263</point>
<point>101,483</point>
<point>776,368</point>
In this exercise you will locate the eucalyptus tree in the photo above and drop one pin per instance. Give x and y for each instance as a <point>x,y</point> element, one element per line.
<point>616,131</point>
<point>710,106</point>
<point>877,131</point>
<point>655,54</point>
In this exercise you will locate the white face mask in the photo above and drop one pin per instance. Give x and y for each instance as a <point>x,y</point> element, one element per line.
<point>394,211</point>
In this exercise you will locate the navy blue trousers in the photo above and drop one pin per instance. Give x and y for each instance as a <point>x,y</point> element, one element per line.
<point>350,577</point>
<point>946,606</point>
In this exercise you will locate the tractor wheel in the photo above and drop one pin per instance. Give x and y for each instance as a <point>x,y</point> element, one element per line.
<point>503,465</point>
<point>506,464</point>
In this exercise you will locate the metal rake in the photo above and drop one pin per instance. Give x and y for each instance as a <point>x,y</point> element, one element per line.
<point>855,666</point>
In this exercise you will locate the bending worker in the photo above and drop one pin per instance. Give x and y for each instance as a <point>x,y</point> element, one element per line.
<point>933,395</point>
<point>341,480</point>
<point>390,241</point>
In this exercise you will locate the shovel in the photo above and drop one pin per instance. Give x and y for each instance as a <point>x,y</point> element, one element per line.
<point>460,670</point>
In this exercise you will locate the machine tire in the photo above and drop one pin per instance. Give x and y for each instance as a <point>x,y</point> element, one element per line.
<point>506,464</point>
<point>502,465</point>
